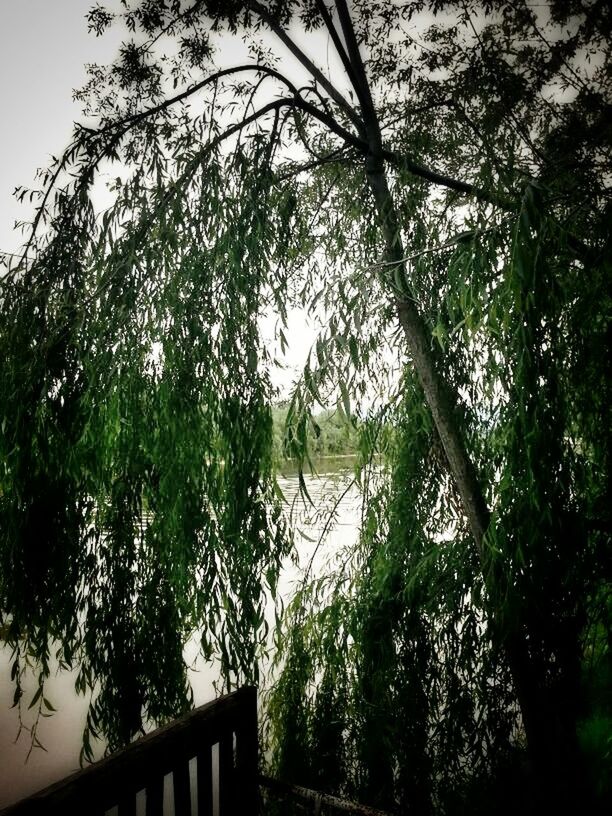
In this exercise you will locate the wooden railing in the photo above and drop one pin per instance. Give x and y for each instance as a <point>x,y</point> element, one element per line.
<point>184,749</point>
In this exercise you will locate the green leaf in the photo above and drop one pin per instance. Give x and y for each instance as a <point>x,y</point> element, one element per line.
<point>36,697</point>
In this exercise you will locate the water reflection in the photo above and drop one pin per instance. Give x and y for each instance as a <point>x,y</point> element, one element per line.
<point>323,527</point>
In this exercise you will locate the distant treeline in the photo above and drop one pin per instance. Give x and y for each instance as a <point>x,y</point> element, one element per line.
<point>329,435</point>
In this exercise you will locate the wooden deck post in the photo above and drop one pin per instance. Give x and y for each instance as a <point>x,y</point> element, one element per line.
<point>247,758</point>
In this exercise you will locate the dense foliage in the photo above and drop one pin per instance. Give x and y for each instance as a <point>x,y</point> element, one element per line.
<point>438,197</point>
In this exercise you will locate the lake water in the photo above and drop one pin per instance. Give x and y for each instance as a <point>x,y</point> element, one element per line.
<point>317,540</point>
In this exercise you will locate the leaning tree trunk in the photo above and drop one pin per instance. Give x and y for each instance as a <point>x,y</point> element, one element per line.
<point>548,710</point>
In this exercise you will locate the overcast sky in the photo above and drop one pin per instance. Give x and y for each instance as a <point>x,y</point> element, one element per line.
<point>44,45</point>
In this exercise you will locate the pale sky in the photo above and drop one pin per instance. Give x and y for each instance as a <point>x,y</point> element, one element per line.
<point>44,45</point>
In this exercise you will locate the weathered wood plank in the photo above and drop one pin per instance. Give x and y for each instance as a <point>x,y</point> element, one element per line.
<point>317,799</point>
<point>155,797</point>
<point>127,805</point>
<point>226,775</point>
<point>205,785</point>
<point>247,758</point>
<point>182,789</point>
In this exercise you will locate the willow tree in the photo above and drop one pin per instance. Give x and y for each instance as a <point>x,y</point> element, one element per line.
<point>434,179</point>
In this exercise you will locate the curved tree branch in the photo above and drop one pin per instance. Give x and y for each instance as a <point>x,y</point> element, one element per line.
<point>312,69</point>
<point>362,86</point>
<point>331,28</point>
<point>180,97</point>
<point>335,157</point>
<point>332,125</point>
<point>464,187</point>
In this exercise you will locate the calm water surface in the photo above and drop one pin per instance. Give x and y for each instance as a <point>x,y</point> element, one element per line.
<point>317,540</point>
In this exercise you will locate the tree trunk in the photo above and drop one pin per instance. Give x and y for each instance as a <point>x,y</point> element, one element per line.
<point>548,711</point>
<point>441,402</point>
